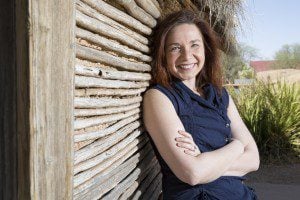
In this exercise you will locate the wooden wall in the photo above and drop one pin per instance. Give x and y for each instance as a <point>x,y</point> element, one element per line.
<point>37,87</point>
<point>113,158</point>
<point>72,78</point>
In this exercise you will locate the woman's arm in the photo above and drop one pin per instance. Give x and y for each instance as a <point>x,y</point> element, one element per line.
<point>162,123</point>
<point>249,161</point>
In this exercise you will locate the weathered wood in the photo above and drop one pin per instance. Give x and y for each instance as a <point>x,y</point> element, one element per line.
<point>150,190</point>
<point>117,152</point>
<point>98,190</point>
<point>156,4</point>
<point>150,175</point>
<point>134,10</point>
<point>99,156</point>
<point>110,74</point>
<point>116,179</point>
<point>157,191</point>
<point>141,171</point>
<point>86,9</point>
<point>93,121</point>
<point>85,102</point>
<point>83,81</point>
<point>104,111</point>
<point>111,44</point>
<point>104,143</point>
<point>113,92</point>
<point>42,76</point>
<point>85,189</point>
<point>118,15</point>
<point>106,131</point>
<point>149,6</point>
<point>145,183</point>
<point>109,31</point>
<point>100,56</point>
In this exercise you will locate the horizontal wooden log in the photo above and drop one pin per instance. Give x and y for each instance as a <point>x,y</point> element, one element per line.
<point>100,157</point>
<point>84,81</point>
<point>149,6</point>
<point>137,12</point>
<point>118,15</point>
<point>133,178</point>
<point>100,56</point>
<point>86,102</point>
<point>86,9</point>
<point>145,183</point>
<point>157,192</point>
<point>156,4</point>
<point>110,74</point>
<point>107,131</point>
<point>151,189</point>
<point>101,28</point>
<point>112,92</point>
<point>104,111</point>
<point>87,187</point>
<point>109,157</point>
<point>111,182</point>
<point>139,171</point>
<point>93,121</point>
<point>104,143</point>
<point>110,44</point>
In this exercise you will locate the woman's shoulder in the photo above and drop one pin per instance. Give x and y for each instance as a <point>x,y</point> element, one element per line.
<point>159,92</point>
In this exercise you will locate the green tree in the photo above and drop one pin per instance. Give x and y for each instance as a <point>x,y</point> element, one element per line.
<point>236,66</point>
<point>288,57</point>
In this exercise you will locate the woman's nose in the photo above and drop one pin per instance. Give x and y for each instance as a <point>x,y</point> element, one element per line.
<point>186,53</point>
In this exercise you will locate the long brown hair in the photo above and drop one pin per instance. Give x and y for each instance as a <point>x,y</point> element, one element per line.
<point>211,71</point>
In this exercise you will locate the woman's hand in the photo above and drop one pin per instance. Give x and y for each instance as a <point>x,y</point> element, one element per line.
<point>187,143</point>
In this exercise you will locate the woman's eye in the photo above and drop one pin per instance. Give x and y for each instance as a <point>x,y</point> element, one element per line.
<point>195,45</point>
<point>175,49</point>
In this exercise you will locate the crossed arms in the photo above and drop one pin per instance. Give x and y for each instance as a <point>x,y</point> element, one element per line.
<point>235,159</point>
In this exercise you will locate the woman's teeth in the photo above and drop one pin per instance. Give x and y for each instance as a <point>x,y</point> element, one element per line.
<point>186,66</point>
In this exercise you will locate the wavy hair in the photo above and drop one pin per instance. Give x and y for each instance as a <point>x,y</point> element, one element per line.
<point>211,71</point>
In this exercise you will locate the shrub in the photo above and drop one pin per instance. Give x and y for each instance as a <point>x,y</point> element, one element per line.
<point>272,114</point>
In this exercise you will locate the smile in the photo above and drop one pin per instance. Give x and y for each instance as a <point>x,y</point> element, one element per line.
<point>188,66</point>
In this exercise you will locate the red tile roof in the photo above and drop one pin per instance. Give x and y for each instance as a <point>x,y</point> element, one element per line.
<point>263,65</point>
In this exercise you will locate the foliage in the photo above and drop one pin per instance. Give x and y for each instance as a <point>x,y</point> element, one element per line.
<point>234,65</point>
<point>272,114</point>
<point>246,73</point>
<point>288,57</point>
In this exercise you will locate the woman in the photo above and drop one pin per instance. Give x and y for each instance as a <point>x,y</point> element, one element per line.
<point>201,142</point>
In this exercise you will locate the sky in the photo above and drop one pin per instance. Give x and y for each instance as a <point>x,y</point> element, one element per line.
<point>269,25</point>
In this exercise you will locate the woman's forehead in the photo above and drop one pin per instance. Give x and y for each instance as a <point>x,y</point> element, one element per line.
<point>184,33</point>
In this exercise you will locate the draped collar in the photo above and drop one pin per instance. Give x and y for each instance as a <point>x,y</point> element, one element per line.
<point>211,99</point>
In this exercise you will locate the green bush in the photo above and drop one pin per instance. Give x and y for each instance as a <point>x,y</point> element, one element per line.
<point>272,114</point>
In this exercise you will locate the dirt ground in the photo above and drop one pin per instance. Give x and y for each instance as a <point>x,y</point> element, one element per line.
<point>277,174</point>
<point>276,181</point>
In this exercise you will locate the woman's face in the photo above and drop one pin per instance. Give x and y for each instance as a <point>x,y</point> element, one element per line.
<point>185,52</point>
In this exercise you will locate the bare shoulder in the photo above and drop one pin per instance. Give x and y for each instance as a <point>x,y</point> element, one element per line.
<point>155,99</point>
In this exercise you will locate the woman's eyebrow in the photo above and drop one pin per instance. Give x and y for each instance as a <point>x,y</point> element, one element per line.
<point>193,41</point>
<point>173,44</point>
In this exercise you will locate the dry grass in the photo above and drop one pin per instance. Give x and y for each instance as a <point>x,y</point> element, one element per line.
<point>289,75</point>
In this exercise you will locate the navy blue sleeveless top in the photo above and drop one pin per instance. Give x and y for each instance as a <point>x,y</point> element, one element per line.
<point>207,121</point>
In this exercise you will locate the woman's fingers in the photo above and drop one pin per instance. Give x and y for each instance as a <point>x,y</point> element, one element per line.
<point>185,140</point>
<point>192,153</point>
<point>185,145</point>
<point>184,133</point>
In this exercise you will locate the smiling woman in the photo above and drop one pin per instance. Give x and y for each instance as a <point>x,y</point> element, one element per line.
<point>185,53</point>
<point>202,145</point>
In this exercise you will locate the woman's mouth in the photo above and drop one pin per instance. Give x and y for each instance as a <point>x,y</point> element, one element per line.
<point>186,66</point>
